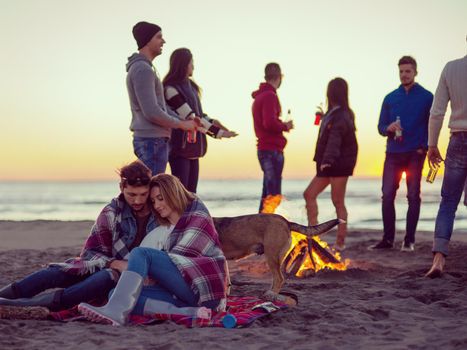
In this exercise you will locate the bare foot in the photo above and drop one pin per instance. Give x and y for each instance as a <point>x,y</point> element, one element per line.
<point>338,247</point>
<point>437,267</point>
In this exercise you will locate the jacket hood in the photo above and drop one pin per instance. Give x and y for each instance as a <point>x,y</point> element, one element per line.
<point>136,57</point>
<point>263,87</point>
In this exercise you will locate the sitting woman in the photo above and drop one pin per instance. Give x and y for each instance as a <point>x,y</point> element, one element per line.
<point>189,273</point>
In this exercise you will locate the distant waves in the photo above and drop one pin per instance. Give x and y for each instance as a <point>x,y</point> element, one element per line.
<point>84,201</point>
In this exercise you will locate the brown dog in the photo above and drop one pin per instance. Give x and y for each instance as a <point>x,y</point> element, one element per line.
<point>241,236</point>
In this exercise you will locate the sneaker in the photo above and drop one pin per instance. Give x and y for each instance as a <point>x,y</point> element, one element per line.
<point>382,245</point>
<point>407,247</point>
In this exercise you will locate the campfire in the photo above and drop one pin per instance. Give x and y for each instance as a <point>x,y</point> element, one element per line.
<point>306,256</point>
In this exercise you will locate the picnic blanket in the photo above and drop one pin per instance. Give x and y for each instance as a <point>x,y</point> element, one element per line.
<point>245,309</point>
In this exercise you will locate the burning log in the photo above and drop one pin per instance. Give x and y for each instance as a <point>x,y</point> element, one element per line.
<point>322,252</point>
<point>310,255</point>
<point>306,255</point>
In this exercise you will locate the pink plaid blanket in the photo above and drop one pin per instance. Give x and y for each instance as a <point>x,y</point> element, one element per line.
<point>243,308</point>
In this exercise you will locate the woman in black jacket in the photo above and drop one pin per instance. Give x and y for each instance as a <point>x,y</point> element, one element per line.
<point>183,97</point>
<point>335,156</point>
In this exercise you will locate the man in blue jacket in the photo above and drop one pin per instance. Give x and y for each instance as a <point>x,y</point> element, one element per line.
<point>404,122</point>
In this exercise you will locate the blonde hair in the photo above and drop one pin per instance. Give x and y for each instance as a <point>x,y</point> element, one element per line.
<point>174,194</point>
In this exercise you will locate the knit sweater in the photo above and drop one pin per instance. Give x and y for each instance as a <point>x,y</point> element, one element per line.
<point>150,115</point>
<point>452,87</point>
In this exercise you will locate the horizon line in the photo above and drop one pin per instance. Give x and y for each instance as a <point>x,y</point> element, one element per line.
<point>292,178</point>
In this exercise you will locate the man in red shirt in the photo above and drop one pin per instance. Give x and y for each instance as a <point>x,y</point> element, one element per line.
<point>269,131</point>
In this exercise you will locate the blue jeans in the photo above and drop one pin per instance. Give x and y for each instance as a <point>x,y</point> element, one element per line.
<point>272,164</point>
<point>77,288</point>
<point>187,170</point>
<point>455,175</point>
<point>153,152</point>
<point>394,165</point>
<point>171,287</point>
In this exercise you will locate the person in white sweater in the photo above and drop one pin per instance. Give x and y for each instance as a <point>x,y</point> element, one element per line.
<point>452,88</point>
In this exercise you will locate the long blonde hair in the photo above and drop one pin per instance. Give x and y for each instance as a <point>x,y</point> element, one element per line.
<point>174,194</point>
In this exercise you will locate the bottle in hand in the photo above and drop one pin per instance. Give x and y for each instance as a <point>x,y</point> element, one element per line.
<point>432,173</point>
<point>398,133</point>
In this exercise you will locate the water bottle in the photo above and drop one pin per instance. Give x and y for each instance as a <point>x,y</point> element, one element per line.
<point>398,134</point>
<point>289,116</point>
<point>229,321</point>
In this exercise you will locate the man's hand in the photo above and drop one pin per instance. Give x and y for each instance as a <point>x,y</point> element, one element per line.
<point>289,125</point>
<point>324,166</point>
<point>149,281</point>
<point>190,125</point>
<point>393,127</point>
<point>119,265</point>
<point>434,157</point>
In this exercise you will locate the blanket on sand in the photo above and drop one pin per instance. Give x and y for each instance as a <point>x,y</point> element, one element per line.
<point>245,310</point>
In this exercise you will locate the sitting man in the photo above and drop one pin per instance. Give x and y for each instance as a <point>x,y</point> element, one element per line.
<point>120,226</point>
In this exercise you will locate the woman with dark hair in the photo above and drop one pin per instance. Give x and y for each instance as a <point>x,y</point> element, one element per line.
<point>187,276</point>
<point>335,156</point>
<point>183,96</point>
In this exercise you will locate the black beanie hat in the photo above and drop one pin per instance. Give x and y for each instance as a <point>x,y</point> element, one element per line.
<point>143,32</point>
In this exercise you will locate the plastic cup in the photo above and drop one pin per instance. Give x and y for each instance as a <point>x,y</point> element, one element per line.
<point>229,321</point>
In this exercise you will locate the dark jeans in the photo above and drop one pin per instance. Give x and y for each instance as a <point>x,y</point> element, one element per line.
<point>187,170</point>
<point>272,163</point>
<point>394,165</point>
<point>455,175</point>
<point>78,288</point>
<point>153,152</point>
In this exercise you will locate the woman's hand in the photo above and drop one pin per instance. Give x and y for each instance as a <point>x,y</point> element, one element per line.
<point>229,134</point>
<point>324,166</point>
<point>119,265</point>
<point>217,123</point>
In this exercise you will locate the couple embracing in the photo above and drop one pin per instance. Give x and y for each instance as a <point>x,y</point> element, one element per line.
<point>153,248</point>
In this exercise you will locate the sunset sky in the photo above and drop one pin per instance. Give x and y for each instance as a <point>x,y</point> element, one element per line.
<point>64,108</point>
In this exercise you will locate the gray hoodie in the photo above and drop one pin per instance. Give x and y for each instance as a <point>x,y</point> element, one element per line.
<point>150,115</point>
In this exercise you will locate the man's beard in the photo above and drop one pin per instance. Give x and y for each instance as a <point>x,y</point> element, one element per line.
<point>142,208</point>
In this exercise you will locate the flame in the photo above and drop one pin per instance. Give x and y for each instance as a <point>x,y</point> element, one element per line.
<point>299,246</point>
<point>299,243</point>
<point>270,203</point>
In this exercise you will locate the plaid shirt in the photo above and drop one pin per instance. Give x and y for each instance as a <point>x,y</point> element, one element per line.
<point>111,236</point>
<point>194,247</point>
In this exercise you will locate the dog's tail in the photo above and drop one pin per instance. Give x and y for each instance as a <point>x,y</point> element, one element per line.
<point>315,230</point>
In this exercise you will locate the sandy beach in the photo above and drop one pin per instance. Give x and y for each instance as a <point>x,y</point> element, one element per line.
<point>381,302</point>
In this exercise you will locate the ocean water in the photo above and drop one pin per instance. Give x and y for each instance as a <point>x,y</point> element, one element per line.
<point>84,200</point>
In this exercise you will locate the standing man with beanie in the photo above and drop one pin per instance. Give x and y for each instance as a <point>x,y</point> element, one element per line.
<point>404,122</point>
<point>269,129</point>
<point>452,87</point>
<point>152,121</point>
